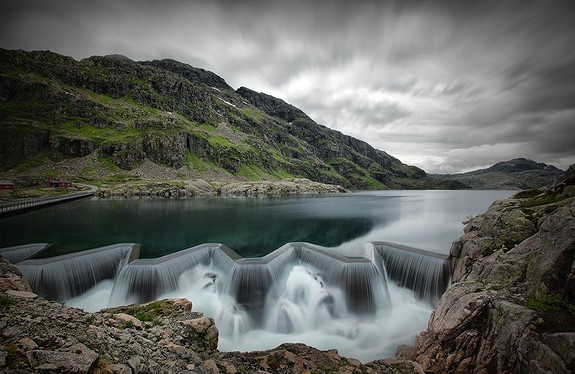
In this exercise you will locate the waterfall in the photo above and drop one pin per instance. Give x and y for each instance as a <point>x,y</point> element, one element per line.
<point>250,281</point>
<point>21,252</point>
<point>66,276</point>
<point>362,283</point>
<point>144,280</point>
<point>299,292</point>
<point>425,273</point>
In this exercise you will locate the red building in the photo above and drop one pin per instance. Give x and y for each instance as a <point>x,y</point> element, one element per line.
<point>58,183</point>
<point>6,185</point>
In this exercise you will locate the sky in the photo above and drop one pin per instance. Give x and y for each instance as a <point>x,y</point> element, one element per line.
<point>448,86</point>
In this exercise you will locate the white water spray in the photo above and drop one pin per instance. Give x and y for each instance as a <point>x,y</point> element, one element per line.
<point>298,293</point>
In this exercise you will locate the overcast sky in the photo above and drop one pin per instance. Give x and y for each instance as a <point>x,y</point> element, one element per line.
<point>447,86</point>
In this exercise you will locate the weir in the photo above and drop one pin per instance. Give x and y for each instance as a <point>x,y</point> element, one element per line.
<point>21,252</point>
<point>144,280</point>
<point>426,273</point>
<point>259,282</point>
<point>70,275</point>
<point>258,286</point>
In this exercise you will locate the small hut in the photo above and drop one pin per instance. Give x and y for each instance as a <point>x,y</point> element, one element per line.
<point>6,185</point>
<point>58,183</point>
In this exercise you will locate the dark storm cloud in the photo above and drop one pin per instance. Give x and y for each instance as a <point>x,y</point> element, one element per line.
<point>445,85</point>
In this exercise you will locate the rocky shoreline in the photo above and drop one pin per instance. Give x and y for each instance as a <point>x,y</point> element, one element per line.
<point>201,188</point>
<point>511,304</point>
<point>510,309</point>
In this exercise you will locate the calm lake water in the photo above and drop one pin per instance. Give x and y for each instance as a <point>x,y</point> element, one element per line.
<point>252,227</point>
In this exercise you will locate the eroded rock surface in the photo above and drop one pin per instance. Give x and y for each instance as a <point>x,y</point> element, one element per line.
<point>511,305</point>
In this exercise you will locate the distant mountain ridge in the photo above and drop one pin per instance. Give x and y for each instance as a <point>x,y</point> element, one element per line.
<point>518,173</point>
<point>518,165</point>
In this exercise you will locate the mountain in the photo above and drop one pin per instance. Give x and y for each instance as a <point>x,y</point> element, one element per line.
<point>518,173</point>
<point>110,118</point>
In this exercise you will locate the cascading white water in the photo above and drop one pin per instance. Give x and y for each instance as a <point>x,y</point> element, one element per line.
<point>143,280</point>
<point>298,293</point>
<point>426,273</point>
<point>304,303</point>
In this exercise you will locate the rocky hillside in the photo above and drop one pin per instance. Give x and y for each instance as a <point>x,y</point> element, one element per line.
<point>511,305</point>
<point>110,118</point>
<point>516,174</point>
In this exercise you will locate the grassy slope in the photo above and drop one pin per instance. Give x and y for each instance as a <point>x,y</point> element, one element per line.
<point>54,108</point>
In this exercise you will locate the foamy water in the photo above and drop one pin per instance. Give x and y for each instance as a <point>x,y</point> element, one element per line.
<point>302,309</point>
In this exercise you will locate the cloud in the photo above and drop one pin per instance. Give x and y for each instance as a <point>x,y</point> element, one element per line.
<point>446,86</point>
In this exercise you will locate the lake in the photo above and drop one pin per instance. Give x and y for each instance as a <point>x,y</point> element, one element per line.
<point>253,227</point>
<point>304,300</point>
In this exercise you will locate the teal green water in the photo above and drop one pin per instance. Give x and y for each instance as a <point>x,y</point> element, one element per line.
<point>253,227</point>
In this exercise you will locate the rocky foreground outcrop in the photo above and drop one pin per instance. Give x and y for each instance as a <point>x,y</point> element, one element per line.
<point>511,305</point>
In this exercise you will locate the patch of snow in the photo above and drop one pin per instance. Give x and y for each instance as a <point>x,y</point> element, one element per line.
<point>217,89</point>
<point>227,102</point>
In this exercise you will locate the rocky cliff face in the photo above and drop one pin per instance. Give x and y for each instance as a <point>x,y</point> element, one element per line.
<point>114,114</point>
<point>511,305</point>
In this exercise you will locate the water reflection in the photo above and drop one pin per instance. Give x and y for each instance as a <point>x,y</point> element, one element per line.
<point>253,227</point>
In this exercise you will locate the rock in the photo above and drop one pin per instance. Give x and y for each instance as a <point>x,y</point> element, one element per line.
<point>190,73</point>
<point>169,150</point>
<point>28,343</point>
<point>11,278</point>
<point>135,362</point>
<point>11,331</point>
<point>66,362</point>
<point>189,188</point>
<point>229,368</point>
<point>292,186</point>
<point>26,294</point>
<point>67,147</point>
<point>211,366</point>
<point>563,344</point>
<point>3,355</point>
<point>201,333</point>
<point>126,156</point>
<point>120,369</point>
<point>129,320</point>
<point>405,352</point>
<point>515,252</point>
